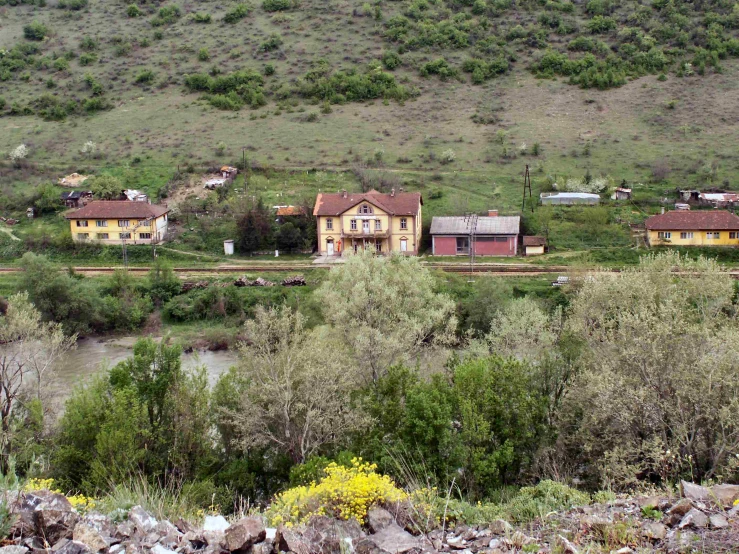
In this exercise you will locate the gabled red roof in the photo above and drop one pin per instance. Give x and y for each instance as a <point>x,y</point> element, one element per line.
<point>290,210</point>
<point>534,241</point>
<point>115,209</point>
<point>680,220</point>
<point>401,203</point>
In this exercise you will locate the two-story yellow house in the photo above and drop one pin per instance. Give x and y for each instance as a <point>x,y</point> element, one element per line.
<point>382,222</point>
<point>117,221</point>
<point>693,228</point>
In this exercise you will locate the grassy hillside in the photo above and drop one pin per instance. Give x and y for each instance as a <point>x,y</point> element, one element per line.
<point>336,83</point>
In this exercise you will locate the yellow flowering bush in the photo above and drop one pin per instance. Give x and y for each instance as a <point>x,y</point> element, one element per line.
<point>344,493</point>
<point>79,502</point>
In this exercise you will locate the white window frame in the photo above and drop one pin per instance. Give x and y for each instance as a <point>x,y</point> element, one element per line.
<point>734,234</point>
<point>124,236</point>
<point>123,223</point>
<point>403,222</point>
<point>378,225</point>
<point>145,236</point>
<point>686,235</point>
<point>81,223</point>
<point>329,224</point>
<point>353,224</point>
<point>101,223</point>
<point>664,234</point>
<point>103,236</point>
<point>83,236</point>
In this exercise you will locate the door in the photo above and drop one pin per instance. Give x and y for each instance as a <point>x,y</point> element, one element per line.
<point>330,248</point>
<point>403,245</point>
<point>365,227</point>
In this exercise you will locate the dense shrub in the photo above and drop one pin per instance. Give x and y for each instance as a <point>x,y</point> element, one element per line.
<point>201,17</point>
<point>273,42</point>
<point>72,4</point>
<point>166,16</point>
<point>277,5</point>
<point>144,77</point>
<point>237,13</point>
<point>133,11</point>
<point>231,92</point>
<point>35,31</point>
<point>482,70</point>
<point>439,67</point>
<point>391,60</point>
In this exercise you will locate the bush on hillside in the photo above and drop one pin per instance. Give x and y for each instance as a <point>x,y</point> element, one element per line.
<point>277,5</point>
<point>35,31</point>
<point>237,13</point>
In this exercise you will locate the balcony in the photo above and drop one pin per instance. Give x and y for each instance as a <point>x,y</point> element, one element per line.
<point>364,234</point>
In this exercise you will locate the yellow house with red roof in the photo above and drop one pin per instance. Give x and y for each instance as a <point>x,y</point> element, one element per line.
<point>119,221</point>
<point>381,222</point>
<point>693,228</point>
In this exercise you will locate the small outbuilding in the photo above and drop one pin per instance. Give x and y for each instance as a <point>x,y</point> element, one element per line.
<point>569,198</point>
<point>492,235</point>
<point>534,245</point>
<point>76,198</point>
<point>622,193</point>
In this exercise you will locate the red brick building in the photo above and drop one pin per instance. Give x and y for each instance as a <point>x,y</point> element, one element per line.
<point>493,235</point>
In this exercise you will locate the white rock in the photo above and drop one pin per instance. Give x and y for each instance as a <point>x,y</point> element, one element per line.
<point>215,523</point>
<point>159,549</point>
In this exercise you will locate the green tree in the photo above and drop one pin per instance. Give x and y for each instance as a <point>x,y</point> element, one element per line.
<point>386,310</point>
<point>47,200</point>
<point>659,397</point>
<point>162,282</point>
<point>296,388</point>
<point>29,349</point>
<point>288,237</point>
<point>254,230</point>
<point>105,187</point>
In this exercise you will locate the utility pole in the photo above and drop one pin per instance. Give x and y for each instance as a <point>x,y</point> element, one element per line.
<point>471,221</point>
<point>527,186</point>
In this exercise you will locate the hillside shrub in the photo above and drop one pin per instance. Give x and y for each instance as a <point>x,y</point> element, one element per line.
<point>229,92</point>
<point>483,70</point>
<point>73,5</point>
<point>35,31</point>
<point>391,60</point>
<point>88,58</point>
<point>601,24</point>
<point>237,13</point>
<point>166,16</point>
<point>89,44</point>
<point>439,67</point>
<point>144,77</point>
<point>277,5</point>
<point>133,11</point>
<point>273,42</point>
<point>201,17</point>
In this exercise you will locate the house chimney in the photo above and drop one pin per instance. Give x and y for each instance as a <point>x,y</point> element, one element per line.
<point>663,210</point>
<point>492,213</point>
<point>343,193</point>
<point>392,192</point>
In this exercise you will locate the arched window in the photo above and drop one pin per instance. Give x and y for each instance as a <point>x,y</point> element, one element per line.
<point>365,209</point>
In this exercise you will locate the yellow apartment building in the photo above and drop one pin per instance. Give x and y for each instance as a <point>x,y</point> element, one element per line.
<point>693,228</point>
<point>382,222</point>
<point>117,221</point>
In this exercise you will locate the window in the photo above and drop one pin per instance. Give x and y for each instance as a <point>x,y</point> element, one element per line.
<point>145,235</point>
<point>686,235</point>
<point>711,235</point>
<point>103,236</point>
<point>664,235</point>
<point>378,225</point>
<point>123,223</point>
<point>378,246</point>
<point>124,235</point>
<point>463,245</point>
<point>403,223</point>
<point>83,236</point>
<point>101,223</point>
<point>353,224</point>
<point>81,223</point>
<point>329,224</point>
<point>365,209</point>
<point>733,235</point>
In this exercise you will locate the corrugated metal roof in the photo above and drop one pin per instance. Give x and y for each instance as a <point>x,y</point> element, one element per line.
<point>581,195</point>
<point>456,225</point>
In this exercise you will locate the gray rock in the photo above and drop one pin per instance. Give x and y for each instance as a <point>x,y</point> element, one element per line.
<point>566,546</point>
<point>725,495</point>
<point>500,527</point>
<point>624,550</point>
<point>53,525</point>
<point>392,540</point>
<point>681,507</point>
<point>195,538</point>
<point>718,521</point>
<point>695,492</point>
<point>655,531</point>
<point>117,549</point>
<point>289,541</point>
<point>215,538</point>
<point>13,549</point>
<point>378,519</point>
<point>89,536</point>
<point>240,536</point>
<point>142,520</point>
<point>694,518</point>
<point>71,547</point>
<point>215,523</point>
<point>159,549</point>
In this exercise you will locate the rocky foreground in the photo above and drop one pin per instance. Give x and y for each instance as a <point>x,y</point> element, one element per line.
<point>700,520</point>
